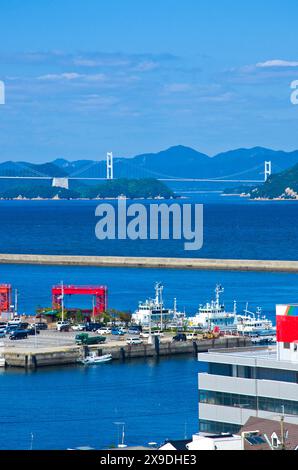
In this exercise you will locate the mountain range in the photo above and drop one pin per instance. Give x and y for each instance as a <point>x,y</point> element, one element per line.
<point>174,162</point>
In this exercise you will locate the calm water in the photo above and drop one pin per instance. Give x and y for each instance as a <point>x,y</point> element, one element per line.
<point>233,228</point>
<point>76,406</point>
<point>72,407</point>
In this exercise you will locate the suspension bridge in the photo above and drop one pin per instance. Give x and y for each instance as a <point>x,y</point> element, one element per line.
<point>105,171</point>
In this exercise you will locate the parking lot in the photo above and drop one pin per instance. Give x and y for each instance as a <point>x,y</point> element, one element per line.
<point>53,338</point>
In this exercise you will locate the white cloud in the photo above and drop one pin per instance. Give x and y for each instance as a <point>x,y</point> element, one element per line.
<point>60,76</point>
<point>277,63</point>
<point>72,76</point>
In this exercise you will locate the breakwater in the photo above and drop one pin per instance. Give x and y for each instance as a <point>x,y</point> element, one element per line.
<point>67,355</point>
<point>157,263</point>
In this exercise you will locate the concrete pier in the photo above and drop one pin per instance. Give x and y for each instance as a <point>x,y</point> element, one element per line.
<point>157,263</point>
<point>67,355</point>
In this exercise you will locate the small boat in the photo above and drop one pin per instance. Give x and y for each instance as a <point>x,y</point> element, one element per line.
<point>93,358</point>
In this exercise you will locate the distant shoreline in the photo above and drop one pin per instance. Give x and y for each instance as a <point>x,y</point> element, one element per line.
<point>94,199</point>
<point>261,199</point>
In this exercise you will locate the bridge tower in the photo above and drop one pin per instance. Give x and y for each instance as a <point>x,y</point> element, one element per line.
<point>110,166</point>
<point>60,183</point>
<point>268,170</point>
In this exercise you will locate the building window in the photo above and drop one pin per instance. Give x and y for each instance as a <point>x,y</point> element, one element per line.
<point>273,405</point>
<point>220,369</point>
<point>214,427</point>
<point>227,399</point>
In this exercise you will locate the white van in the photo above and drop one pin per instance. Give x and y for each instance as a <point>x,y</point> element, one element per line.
<point>62,324</point>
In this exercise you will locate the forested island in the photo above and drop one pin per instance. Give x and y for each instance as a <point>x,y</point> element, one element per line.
<point>280,186</point>
<point>148,188</point>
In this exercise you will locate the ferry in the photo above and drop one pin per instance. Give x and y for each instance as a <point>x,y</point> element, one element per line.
<point>213,315</point>
<point>154,311</point>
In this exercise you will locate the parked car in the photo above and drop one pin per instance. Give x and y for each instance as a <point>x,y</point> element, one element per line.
<point>19,325</point>
<point>15,321</point>
<point>104,331</point>
<point>135,340</point>
<point>192,336</point>
<point>32,331</point>
<point>84,338</point>
<point>79,327</point>
<point>180,337</point>
<point>40,326</point>
<point>144,335</point>
<point>93,326</point>
<point>158,333</point>
<point>123,329</point>
<point>62,325</point>
<point>116,332</point>
<point>10,328</point>
<point>136,327</point>
<point>18,334</point>
<point>134,331</point>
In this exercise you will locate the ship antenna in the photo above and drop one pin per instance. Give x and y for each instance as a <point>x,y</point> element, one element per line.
<point>218,290</point>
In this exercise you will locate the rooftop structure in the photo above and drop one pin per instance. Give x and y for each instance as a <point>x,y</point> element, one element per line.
<point>264,434</point>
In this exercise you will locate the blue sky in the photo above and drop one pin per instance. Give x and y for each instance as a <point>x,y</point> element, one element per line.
<point>135,76</point>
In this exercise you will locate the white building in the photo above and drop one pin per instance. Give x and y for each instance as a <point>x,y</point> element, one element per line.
<point>260,382</point>
<point>206,442</point>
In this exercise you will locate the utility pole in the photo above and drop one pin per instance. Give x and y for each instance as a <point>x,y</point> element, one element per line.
<point>16,302</point>
<point>93,308</point>
<point>282,429</point>
<point>62,301</point>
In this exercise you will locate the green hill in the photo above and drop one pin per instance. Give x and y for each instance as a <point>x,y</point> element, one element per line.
<point>281,185</point>
<point>131,188</point>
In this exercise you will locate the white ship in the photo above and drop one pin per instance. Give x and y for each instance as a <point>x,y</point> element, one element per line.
<point>257,326</point>
<point>213,315</point>
<point>154,310</point>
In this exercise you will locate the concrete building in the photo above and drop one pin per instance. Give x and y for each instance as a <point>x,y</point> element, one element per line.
<point>258,382</point>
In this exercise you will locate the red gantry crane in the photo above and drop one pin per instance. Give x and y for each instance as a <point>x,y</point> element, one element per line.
<point>5,298</point>
<point>100,294</point>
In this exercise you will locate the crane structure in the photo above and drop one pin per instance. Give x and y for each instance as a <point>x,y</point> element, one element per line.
<point>99,293</point>
<point>5,298</point>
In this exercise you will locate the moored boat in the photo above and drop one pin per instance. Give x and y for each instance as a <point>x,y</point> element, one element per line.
<point>214,315</point>
<point>94,359</point>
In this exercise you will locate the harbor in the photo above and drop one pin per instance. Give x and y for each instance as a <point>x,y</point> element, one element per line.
<point>29,355</point>
<point>56,336</point>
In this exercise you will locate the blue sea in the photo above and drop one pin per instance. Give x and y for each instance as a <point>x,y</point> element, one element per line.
<point>69,407</point>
